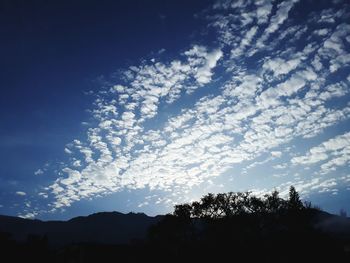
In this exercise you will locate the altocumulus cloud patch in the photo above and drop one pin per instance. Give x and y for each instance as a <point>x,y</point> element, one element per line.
<point>275,76</point>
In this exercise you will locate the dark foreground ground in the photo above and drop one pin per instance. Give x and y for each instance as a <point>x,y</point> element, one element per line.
<point>231,227</point>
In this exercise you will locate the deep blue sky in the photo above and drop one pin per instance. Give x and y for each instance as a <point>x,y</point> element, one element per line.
<point>53,52</point>
<point>64,63</point>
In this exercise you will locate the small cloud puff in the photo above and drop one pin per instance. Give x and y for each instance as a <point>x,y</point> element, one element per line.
<point>39,172</point>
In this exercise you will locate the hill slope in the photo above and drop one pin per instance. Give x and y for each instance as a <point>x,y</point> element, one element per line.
<point>106,227</point>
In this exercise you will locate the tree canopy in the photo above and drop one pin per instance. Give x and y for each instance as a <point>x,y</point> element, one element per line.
<point>215,206</point>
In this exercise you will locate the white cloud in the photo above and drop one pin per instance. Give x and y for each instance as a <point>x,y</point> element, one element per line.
<point>322,32</point>
<point>280,166</point>
<point>276,20</point>
<point>44,195</point>
<point>39,172</point>
<point>271,97</point>
<point>339,62</point>
<point>143,204</point>
<point>263,10</point>
<point>334,49</point>
<point>21,193</point>
<point>77,163</point>
<point>315,185</point>
<point>334,90</point>
<point>335,151</point>
<point>276,154</point>
<point>281,15</point>
<point>245,42</point>
<point>279,66</point>
<point>203,75</point>
<point>66,150</point>
<point>29,215</point>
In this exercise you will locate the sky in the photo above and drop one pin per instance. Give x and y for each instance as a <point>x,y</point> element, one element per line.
<point>135,106</point>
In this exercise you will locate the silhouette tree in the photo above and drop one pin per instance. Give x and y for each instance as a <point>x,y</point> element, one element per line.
<point>294,202</point>
<point>244,225</point>
<point>207,208</point>
<point>274,203</point>
<point>257,205</point>
<point>183,211</point>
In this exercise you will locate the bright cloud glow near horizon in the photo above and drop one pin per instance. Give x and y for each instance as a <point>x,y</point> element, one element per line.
<point>255,97</point>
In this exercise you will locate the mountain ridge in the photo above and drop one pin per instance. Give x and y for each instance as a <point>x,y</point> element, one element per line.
<point>113,227</point>
<point>102,227</point>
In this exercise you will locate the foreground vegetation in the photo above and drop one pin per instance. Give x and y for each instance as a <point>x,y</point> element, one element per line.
<point>240,225</point>
<point>222,227</point>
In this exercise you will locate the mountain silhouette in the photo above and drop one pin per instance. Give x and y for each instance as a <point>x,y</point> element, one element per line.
<point>119,228</point>
<point>218,226</point>
<point>102,228</point>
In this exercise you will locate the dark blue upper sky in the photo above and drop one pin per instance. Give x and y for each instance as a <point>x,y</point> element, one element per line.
<point>54,52</point>
<point>137,105</point>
